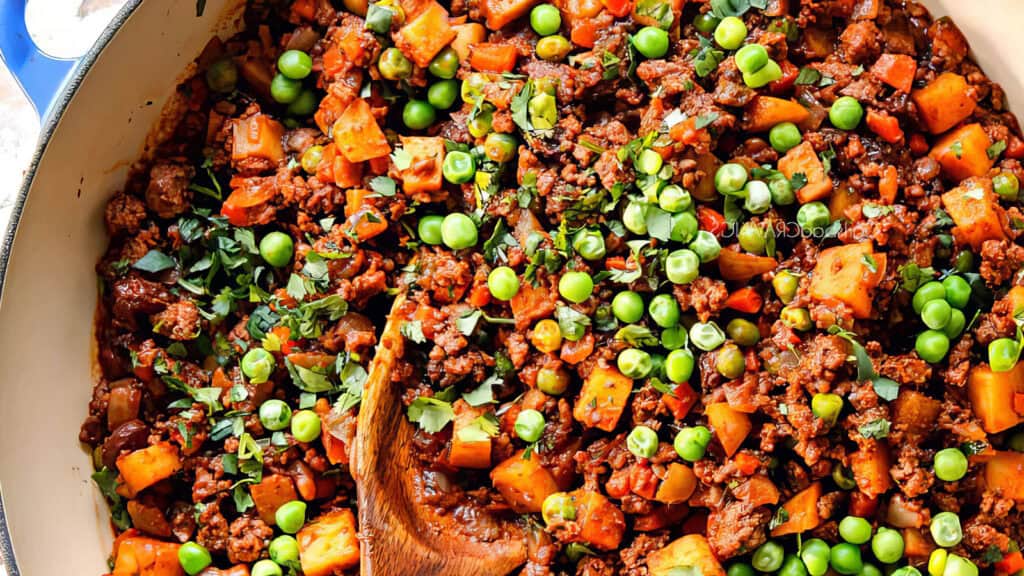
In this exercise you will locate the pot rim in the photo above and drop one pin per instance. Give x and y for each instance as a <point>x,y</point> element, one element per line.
<point>47,129</point>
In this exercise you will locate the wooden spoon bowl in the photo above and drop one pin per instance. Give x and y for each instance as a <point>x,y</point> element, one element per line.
<point>400,536</point>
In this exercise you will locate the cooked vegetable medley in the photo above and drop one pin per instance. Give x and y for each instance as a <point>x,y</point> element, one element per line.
<point>706,288</point>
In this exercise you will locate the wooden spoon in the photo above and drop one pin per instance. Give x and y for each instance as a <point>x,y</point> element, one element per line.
<point>400,536</point>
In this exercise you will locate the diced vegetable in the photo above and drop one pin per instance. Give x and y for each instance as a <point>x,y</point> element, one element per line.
<point>963,153</point>
<point>896,70</point>
<point>740,266</point>
<point>915,413</point>
<point>499,13</point>
<point>603,397</point>
<point>758,490</point>
<point>870,467</point>
<point>425,35</point>
<point>888,184</point>
<point>680,401</point>
<point>524,483</point>
<point>271,493</point>
<point>915,546</point>
<point>677,485</point>
<point>842,199</point>
<point>690,550</point>
<point>143,468</point>
<point>975,209</point>
<point>258,136</point>
<point>531,303</point>
<point>471,447</point>
<point>1004,473</point>
<point>329,544</point>
<point>331,108</point>
<point>467,35</point>
<point>730,426</point>
<point>424,171</point>
<point>364,220</point>
<point>801,512</point>
<point>848,274</point>
<point>992,395</point>
<point>944,103</point>
<point>246,195</point>
<point>804,160</point>
<point>885,126</point>
<point>357,134</point>
<point>764,112</point>
<point>148,518</point>
<point>493,57</point>
<point>140,556</point>
<point>1016,299</point>
<point>600,522</point>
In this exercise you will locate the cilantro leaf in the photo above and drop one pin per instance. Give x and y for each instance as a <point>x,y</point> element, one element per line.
<point>913,276</point>
<point>637,335</point>
<point>413,331</point>
<point>154,261</point>
<point>520,107</point>
<point>572,323</point>
<point>876,429</point>
<point>484,393</point>
<point>383,186</point>
<point>430,413</point>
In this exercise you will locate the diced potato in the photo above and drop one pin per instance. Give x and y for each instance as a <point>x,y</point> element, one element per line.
<point>424,172</point>
<point>963,153</point>
<point>844,274</point>
<point>257,136</point>
<point>329,544</point>
<point>425,35</point>
<point>143,468</point>
<point>992,396</point>
<point>466,35</point>
<point>804,160</point>
<point>1004,473</point>
<point>944,103</point>
<point>603,397</point>
<point>470,447</point>
<point>601,523</point>
<point>524,483</point>
<point>499,13</point>
<point>358,135</point>
<point>915,413</point>
<point>730,426</point>
<point>975,209</point>
<point>690,550</point>
<point>140,556</point>
<point>870,467</point>
<point>677,485</point>
<point>802,511</point>
<point>758,490</point>
<point>274,491</point>
<point>766,111</point>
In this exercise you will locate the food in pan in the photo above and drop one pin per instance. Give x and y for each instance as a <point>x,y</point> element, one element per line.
<point>725,287</point>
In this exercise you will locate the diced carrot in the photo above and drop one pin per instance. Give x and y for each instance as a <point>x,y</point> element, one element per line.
<point>944,103</point>
<point>479,295</point>
<point>963,153</point>
<point>330,544</point>
<point>576,351</point>
<point>274,491</point>
<point>764,112</point>
<point>896,70</point>
<point>992,396</point>
<point>915,546</point>
<point>680,401</point>
<point>888,184</point>
<point>247,194</point>
<point>425,35</point>
<point>845,274</point>
<point>531,303</point>
<point>236,570</point>
<point>687,133</point>
<point>711,220</point>
<point>364,221</point>
<point>601,523</point>
<point>1011,563</point>
<point>583,33</point>
<point>620,8</point>
<point>661,517</point>
<point>691,550</point>
<point>802,512</point>
<point>424,171</point>
<point>258,136</point>
<point>804,160</point>
<point>604,396</point>
<point>758,490</point>
<point>523,482</point>
<point>642,481</point>
<point>737,266</point>
<point>975,209</point>
<point>143,468</point>
<point>746,463</point>
<point>885,126</point>
<point>466,36</point>
<point>789,75</point>
<point>678,484</point>
<point>870,466</point>
<point>357,134</point>
<point>470,448</point>
<point>346,174</point>
<point>499,13</point>
<point>140,556</point>
<point>746,300</point>
<point>863,505</point>
<point>1004,474</point>
<point>730,426</point>
<point>331,108</point>
<point>304,10</point>
<point>493,57</point>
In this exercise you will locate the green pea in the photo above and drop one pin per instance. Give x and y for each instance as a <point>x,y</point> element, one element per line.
<point>193,558</point>
<point>827,407</point>
<point>926,293</point>
<point>730,362</point>
<point>887,545</point>
<point>730,178</point>
<point>648,162</point>
<point>740,569</point>
<point>743,332</point>
<point>784,137</point>
<point>769,556</point>
<point>958,291</point>
<point>558,507</point>
<point>765,76</point>
<point>446,64</point>
<point>393,65</point>
<point>295,64</point>
<point>782,191</point>
<point>816,554</point>
<point>458,231</point>
<point>796,318</point>
<point>429,229</point>
<point>552,381</point>
<point>679,365</point>
<point>682,266</point>
<point>907,571</point>
<point>674,199</point>
<point>418,115</point>
<point>674,338</point>
<point>1006,185</point>
<point>706,22</point>
<point>959,566</point>
<point>589,244</point>
<point>957,323</point>
<point>869,570</point>
<point>304,105</point>
<point>706,335</point>
<point>1003,354</point>
<point>503,283</point>
<point>950,465</point>
<point>785,285</point>
<point>846,113</point>
<point>473,87</point>
<point>543,109</point>
<point>758,197</point>
<point>691,443</point>
<point>458,167</point>
<point>792,566</point>
<point>813,217</point>
<point>291,516</point>
<point>276,249</point>
<point>634,218</point>
<point>642,442</point>
<point>553,48</point>
<point>285,90</point>
<point>751,58</point>
<point>266,568</point>
<point>664,310</point>
<point>575,286</point>
<point>258,365</point>
<point>945,529</point>
<point>937,561</point>
<point>841,476</point>
<point>500,147</point>
<point>275,415</point>
<point>932,346</point>
<point>855,530</point>
<point>545,19</point>
<point>651,41</point>
<point>311,158</point>
<point>936,314</point>
<point>222,75</point>
<point>284,549</point>
<point>964,261</point>
<point>730,34</point>
<point>684,227</point>
<point>752,238</point>
<point>529,425</point>
<point>305,426</point>
<point>845,559</point>
<point>628,306</point>
<point>442,94</point>
<point>1016,442</point>
<point>706,246</point>
<point>634,363</point>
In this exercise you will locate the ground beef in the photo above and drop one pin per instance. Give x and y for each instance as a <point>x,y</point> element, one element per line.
<point>213,528</point>
<point>124,214</point>
<point>249,536</point>
<point>133,295</point>
<point>705,296</point>
<point>1000,260</point>
<point>179,321</point>
<point>737,528</point>
<point>167,194</point>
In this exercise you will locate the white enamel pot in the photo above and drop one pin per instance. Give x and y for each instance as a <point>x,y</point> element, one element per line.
<point>53,522</point>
